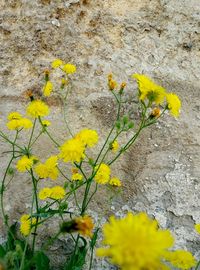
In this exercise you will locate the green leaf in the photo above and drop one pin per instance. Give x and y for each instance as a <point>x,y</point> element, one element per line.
<point>2,251</point>
<point>94,238</point>
<point>41,261</point>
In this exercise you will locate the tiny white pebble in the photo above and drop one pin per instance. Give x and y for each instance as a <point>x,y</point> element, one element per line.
<point>56,22</point>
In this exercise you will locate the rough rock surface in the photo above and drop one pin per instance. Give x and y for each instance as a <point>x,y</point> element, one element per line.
<point>161,38</point>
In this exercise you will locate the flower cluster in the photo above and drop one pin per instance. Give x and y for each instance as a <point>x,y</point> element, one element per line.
<point>68,68</point>
<point>48,169</point>
<point>16,121</point>
<point>136,242</point>
<point>148,90</point>
<point>56,193</point>
<point>73,149</point>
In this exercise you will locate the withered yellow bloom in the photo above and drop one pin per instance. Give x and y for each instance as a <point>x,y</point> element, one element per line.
<point>84,225</point>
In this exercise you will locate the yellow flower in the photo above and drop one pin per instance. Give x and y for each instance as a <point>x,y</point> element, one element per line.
<point>84,225</point>
<point>46,123</point>
<point>37,108</point>
<point>173,104</point>
<point>72,150</point>
<point>77,177</point>
<point>69,68</point>
<point>57,63</point>
<point>25,163</point>
<point>25,228</point>
<point>57,193</point>
<point>148,89</point>
<point>88,137</point>
<point>25,224</point>
<point>44,193</point>
<point>48,169</point>
<point>19,123</point>
<point>103,174</point>
<point>115,146</point>
<point>197,228</point>
<point>47,89</point>
<point>14,115</point>
<point>115,182</point>
<point>181,259</point>
<point>135,242</point>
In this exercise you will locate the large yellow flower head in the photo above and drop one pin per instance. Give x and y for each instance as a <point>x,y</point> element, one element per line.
<point>135,242</point>
<point>25,163</point>
<point>37,108</point>
<point>149,90</point>
<point>47,89</point>
<point>88,137</point>
<point>57,193</point>
<point>103,174</point>
<point>48,169</point>
<point>72,150</point>
<point>173,104</point>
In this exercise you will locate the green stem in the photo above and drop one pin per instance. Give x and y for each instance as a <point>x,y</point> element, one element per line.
<point>5,218</point>
<point>48,134</point>
<point>37,208</point>
<point>33,128</point>
<point>50,241</point>
<point>197,266</point>
<point>9,141</point>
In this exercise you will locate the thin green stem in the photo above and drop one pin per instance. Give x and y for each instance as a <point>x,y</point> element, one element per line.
<point>48,134</point>
<point>32,131</point>
<point>34,181</point>
<point>197,266</point>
